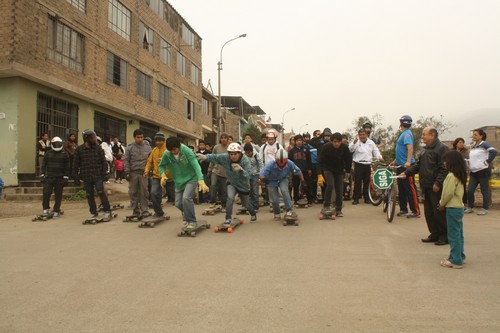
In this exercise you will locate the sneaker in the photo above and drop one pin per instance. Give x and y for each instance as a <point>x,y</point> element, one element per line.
<point>355,202</point>
<point>412,215</point>
<point>468,210</point>
<point>107,182</point>
<point>339,213</point>
<point>116,181</point>
<point>192,225</point>
<point>482,211</point>
<point>464,259</point>
<point>212,205</point>
<point>93,216</point>
<point>45,212</point>
<point>107,216</point>
<point>227,221</point>
<point>253,218</point>
<point>449,264</point>
<point>158,215</point>
<point>56,215</point>
<point>277,217</point>
<point>120,181</point>
<point>367,201</point>
<point>402,214</point>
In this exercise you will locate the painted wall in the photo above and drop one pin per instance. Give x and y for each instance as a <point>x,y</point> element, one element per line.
<point>9,100</point>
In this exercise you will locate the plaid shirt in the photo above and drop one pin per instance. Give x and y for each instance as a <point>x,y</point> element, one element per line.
<point>90,164</point>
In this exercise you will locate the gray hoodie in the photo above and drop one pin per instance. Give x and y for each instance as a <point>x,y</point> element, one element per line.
<point>136,157</point>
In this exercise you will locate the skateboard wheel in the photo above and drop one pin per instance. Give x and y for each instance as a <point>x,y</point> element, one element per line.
<point>296,223</point>
<point>167,218</point>
<point>152,224</point>
<point>285,223</point>
<point>216,229</point>
<point>321,217</point>
<point>230,230</point>
<point>193,234</point>
<point>241,221</point>
<point>179,234</point>
<point>33,219</point>
<point>207,226</point>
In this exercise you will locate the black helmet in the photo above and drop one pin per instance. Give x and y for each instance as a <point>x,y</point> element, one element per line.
<point>327,132</point>
<point>88,133</point>
<point>148,139</point>
<point>406,120</point>
<point>160,136</point>
<point>307,135</point>
<point>367,124</point>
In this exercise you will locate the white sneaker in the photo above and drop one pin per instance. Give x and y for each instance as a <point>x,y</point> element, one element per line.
<point>468,210</point>
<point>107,216</point>
<point>482,211</point>
<point>277,217</point>
<point>45,212</point>
<point>56,215</point>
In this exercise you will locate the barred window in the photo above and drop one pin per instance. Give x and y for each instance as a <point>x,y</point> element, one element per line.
<point>195,75</point>
<point>189,109</point>
<point>187,35</point>
<point>117,70</point>
<point>146,37</point>
<point>157,7</point>
<point>143,85</point>
<point>204,106</point>
<point>181,64</point>
<point>163,95</point>
<point>119,19</point>
<point>165,52</point>
<point>80,4</point>
<point>65,45</point>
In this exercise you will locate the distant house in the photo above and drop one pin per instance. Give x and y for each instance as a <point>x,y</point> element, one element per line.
<point>492,135</point>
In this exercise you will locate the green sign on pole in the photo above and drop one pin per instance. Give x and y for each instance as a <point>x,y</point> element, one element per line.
<point>382,178</point>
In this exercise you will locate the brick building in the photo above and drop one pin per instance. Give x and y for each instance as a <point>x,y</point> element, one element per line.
<point>109,65</point>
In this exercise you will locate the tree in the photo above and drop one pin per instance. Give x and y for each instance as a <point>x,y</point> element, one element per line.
<point>254,132</point>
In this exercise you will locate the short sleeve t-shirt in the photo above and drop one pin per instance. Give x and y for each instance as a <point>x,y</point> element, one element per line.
<point>401,150</point>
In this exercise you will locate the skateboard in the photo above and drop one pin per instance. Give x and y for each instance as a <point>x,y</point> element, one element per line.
<point>113,207</point>
<point>192,232</point>
<point>99,219</point>
<point>242,211</point>
<point>327,215</point>
<point>290,218</point>
<point>136,218</point>
<point>150,222</point>
<point>212,211</point>
<point>229,227</point>
<point>302,203</point>
<point>45,217</point>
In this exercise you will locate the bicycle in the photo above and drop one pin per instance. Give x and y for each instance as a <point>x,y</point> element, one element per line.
<point>391,195</point>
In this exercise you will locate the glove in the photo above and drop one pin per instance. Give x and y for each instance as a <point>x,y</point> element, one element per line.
<point>65,180</point>
<point>163,181</point>
<point>201,157</point>
<point>127,177</point>
<point>321,180</point>
<point>236,167</point>
<point>42,178</point>
<point>202,186</point>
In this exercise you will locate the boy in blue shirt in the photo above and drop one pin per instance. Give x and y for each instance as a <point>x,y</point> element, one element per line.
<point>275,174</point>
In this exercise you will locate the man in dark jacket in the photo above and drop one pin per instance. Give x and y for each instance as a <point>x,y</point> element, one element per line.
<point>91,167</point>
<point>432,173</point>
<point>301,156</point>
<point>334,160</point>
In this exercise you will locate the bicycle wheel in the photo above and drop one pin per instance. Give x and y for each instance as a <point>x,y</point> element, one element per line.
<point>391,204</point>
<point>375,194</point>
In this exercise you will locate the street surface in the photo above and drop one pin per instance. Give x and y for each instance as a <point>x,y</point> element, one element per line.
<point>358,273</point>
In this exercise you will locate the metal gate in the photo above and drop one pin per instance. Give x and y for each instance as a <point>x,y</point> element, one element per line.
<point>56,117</point>
<point>107,127</point>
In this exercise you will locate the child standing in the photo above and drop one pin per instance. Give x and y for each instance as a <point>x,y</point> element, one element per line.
<point>257,165</point>
<point>275,175</point>
<point>451,198</point>
<point>119,168</point>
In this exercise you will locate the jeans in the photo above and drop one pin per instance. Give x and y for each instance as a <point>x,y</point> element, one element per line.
<point>184,201</point>
<point>89,190</point>
<point>138,191</point>
<point>219,185</point>
<point>436,220</point>
<point>407,193</point>
<point>275,196</point>
<point>454,218</point>
<point>156,196</point>
<point>482,179</point>
<point>245,202</point>
<point>361,179</point>
<point>254,191</point>
<point>335,182</point>
<point>56,185</point>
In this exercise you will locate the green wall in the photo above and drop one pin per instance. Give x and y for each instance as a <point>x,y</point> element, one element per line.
<point>9,100</point>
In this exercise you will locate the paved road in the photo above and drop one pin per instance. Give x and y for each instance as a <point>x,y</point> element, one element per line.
<point>356,274</point>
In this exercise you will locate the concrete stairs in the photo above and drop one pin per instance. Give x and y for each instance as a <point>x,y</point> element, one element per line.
<point>32,190</point>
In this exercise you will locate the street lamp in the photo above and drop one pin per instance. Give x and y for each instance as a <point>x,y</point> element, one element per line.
<point>300,128</point>
<point>283,123</point>
<point>219,68</point>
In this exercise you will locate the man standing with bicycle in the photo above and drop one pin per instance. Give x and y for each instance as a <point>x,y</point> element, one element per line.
<point>364,150</point>
<point>432,173</point>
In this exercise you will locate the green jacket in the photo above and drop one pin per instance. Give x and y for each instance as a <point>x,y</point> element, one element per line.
<point>453,191</point>
<point>184,169</point>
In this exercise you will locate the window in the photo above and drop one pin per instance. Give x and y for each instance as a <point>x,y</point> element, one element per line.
<point>65,45</point>
<point>80,4</point>
<point>149,129</point>
<point>143,85</point>
<point>157,7</point>
<point>187,35</point>
<point>189,109</point>
<point>195,73</point>
<point>181,64</point>
<point>108,126</point>
<point>55,116</point>
<point>163,95</point>
<point>204,106</point>
<point>119,19</point>
<point>146,37</point>
<point>165,52</point>
<point>117,70</point>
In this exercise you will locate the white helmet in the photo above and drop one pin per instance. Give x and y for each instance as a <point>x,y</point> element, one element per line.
<point>281,158</point>
<point>234,148</point>
<point>272,133</point>
<point>56,143</point>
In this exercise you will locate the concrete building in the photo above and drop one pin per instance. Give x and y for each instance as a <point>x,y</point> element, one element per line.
<point>108,65</point>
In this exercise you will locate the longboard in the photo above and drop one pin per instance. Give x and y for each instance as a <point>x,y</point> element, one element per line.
<point>192,232</point>
<point>150,222</point>
<point>327,215</point>
<point>229,227</point>
<point>113,207</point>
<point>99,219</point>
<point>45,217</point>
<point>302,203</point>
<point>212,211</point>
<point>290,219</point>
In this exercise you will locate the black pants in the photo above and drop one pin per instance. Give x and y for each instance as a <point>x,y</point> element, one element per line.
<point>333,182</point>
<point>361,178</point>
<point>56,185</point>
<point>314,182</point>
<point>436,220</point>
<point>307,189</point>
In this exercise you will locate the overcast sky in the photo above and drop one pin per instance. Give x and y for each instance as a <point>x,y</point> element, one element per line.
<point>334,61</point>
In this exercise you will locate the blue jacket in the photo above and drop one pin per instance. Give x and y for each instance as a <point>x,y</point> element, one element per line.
<point>274,174</point>
<point>240,180</point>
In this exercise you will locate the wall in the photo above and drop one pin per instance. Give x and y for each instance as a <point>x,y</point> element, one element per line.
<point>9,100</point>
